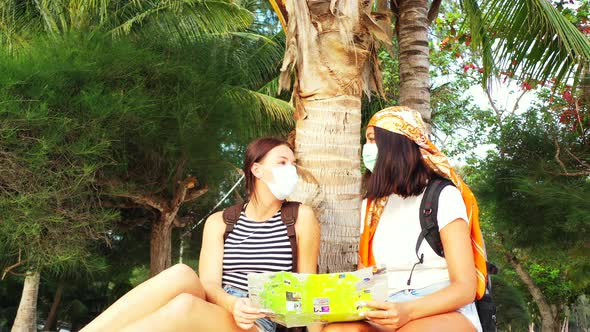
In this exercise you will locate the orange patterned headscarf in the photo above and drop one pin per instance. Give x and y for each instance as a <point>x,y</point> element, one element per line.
<point>405,121</point>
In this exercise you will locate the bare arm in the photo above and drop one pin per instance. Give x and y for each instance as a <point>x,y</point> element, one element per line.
<point>307,229</point>
<point>457,246</point>
<point>211,263</point>
<point>456,242</point>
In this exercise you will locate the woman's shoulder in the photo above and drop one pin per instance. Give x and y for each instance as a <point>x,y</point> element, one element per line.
<point>305,210</point>
<point>215,221</point>
<point>450,207</point>
<point>450,193</point>
<point>306,216</point>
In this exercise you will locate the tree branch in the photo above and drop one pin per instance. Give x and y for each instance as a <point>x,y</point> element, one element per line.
<point>179,170</point>
<point>580,173</point>
<point>17,274</point>
<point>151,201</point>
<point>581,162</point>
<point>120,205</point>
<point>180,192</point>
<point>565,171</point>
<point>148,200</point>
<point>557,151</point>
<point>180,197</point>
<point>12,267</point>
<point>195,194</point>
<point>496,110</point>
<point>433,11</point>
<point>534,290</point>
<point>518,101</point>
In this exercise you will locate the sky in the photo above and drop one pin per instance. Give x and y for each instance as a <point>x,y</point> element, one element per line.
<point>505,96</point>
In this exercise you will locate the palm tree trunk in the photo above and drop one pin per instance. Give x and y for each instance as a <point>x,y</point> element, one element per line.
<point>52,317</point>
<point>333,54</point>
<point>414,63</point>
<point>327,144</point>
<point>548,314</point>
<point>26,316</point>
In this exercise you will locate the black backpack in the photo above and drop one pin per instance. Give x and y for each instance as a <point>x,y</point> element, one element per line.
<point>486,309</point>
<point>289,212</point>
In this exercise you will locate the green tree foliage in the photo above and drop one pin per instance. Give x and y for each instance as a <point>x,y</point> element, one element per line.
<point>511,307</point>
<point>47,168</point>
<point>87,119</point>
<point>530,188</point>
<point>534,191</point>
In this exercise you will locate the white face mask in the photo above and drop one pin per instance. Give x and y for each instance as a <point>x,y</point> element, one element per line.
<point>370,155</point>
<point>284,181</point>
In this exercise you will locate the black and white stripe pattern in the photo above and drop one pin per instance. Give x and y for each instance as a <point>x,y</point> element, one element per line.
<point>254,247</point>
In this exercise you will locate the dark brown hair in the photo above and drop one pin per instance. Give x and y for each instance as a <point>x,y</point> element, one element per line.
<point>255,152</point>
<point>399,168</point>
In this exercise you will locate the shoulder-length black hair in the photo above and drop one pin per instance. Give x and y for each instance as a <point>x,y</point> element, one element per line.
<point>399,168</point>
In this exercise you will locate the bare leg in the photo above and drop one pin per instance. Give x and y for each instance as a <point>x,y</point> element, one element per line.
<point>448,322</point>
<point>147,298</point>
<point>187,313</point>
<point>347,327</point>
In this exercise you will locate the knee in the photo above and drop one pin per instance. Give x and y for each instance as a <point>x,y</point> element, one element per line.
<point>184,277</point>
<point>180,270</point>
<point>182,305</point>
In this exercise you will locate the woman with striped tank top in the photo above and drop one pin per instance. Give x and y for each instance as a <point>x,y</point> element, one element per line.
<point>179,300</point>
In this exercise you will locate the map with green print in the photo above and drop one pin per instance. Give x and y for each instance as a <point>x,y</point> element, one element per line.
<point>294,299</point>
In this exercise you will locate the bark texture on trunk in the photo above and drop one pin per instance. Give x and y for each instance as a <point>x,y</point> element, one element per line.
<point>327,145</point>
<point>548,315</point>
<point>414,62</point>
<point>26,316</point>
<point>52,317</point>
<point>160,246</point>
<point>331,48</point>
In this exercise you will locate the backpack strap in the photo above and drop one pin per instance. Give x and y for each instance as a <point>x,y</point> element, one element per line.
<point>289,213</point>
<point>230,217</point>
<point>428,216</point>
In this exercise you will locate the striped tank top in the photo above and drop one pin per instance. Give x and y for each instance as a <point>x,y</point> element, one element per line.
<point>255,247</point>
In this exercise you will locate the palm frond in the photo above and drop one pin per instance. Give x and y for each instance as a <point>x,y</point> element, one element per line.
<point>187,19</point>
<point>48,12</point>
<point>258,58</point>
<point>535,41</point>
<point>266,112</point>
<point>16,25</point>
<point>271,88</point>
<point>480,39</point>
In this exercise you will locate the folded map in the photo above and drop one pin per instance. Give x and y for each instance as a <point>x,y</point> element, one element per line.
<point>297,299</point>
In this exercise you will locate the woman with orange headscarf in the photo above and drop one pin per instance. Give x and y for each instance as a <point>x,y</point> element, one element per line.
<point>427,292</point>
